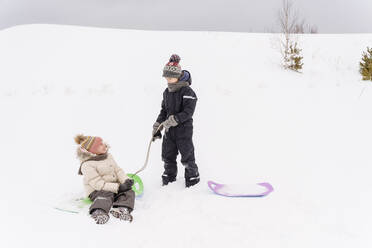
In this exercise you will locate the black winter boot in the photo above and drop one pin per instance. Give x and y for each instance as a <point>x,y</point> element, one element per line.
<point>192,181</point>
<point>168,179</point>
<point>191,174</point>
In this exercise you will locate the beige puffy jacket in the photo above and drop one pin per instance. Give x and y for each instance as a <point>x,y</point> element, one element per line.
<point>102,174</point>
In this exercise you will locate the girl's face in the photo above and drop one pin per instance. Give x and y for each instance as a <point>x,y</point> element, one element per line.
<point>171,80</point>
<point>101,149</point>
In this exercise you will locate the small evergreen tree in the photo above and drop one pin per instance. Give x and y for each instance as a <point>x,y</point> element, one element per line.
<point>366,65</point>
<point>290,24</point>
<point>293,58</point>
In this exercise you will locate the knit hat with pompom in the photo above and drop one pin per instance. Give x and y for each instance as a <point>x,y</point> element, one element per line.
<point>173,69</point>
<point>89,143</point>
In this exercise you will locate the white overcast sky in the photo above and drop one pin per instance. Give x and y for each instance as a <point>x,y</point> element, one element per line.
<point>330,16</point>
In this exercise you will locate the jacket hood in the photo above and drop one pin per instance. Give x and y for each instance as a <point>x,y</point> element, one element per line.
<point>185,77</point>
<point>84,155</point>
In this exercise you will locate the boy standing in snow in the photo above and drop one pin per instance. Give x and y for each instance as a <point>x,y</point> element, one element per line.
<point>105,182</point>
<point>177,109</point>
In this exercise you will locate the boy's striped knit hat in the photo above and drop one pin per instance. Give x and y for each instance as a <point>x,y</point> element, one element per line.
<point>89,143</point>
<point>173,69</point>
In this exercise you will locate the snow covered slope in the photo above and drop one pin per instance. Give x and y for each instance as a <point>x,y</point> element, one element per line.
<point>308,134</point>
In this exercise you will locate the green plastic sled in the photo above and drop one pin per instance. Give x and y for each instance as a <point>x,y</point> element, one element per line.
<point>138,184</point>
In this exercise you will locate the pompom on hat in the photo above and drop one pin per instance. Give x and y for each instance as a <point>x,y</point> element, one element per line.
<point>173,69</point>
<point>89,143</point>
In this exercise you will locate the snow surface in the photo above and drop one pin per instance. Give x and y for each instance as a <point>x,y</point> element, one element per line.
<point>308,134</point>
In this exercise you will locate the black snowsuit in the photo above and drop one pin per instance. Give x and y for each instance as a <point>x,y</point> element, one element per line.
<point>181,104</point>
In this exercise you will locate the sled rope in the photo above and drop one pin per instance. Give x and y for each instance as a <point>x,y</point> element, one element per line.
<point>148,152</point>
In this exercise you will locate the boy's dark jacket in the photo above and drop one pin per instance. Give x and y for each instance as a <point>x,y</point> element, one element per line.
<point>180,103</point>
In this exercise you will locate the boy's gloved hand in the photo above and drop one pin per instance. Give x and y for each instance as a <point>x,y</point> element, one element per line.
<point>156,134</point>
<point>127,185</point>
<point>170,122</point>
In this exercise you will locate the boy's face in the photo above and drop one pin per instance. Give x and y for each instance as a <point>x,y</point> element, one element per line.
<point>171,80</point>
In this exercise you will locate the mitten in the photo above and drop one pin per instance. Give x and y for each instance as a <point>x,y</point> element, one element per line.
<point>127,185</point>
<point>156,131</point>
<point>170,122</point>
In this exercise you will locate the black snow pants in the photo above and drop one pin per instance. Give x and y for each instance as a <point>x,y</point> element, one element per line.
<point>105,200</point>
<point>179,138</point>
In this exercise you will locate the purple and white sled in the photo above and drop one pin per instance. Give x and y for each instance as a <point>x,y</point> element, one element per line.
<point>255,190</point>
